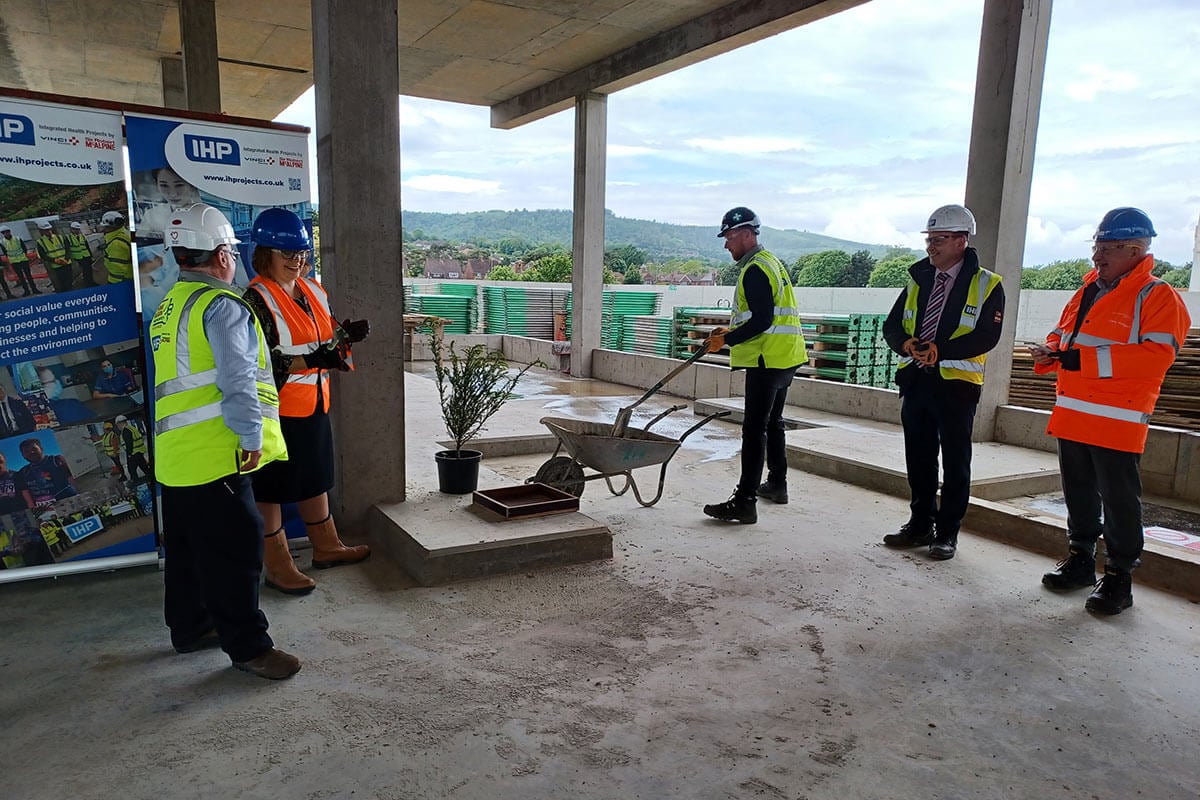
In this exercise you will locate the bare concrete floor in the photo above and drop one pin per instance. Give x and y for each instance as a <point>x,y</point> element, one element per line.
<point>795,658</point>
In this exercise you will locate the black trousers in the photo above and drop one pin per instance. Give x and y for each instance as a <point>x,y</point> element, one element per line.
<point>1096,479</point>
<point>24,276</point>
<point>60,277</point>
<point>85,271</point>
<point>762,428</point>
<point>213,536</point>
<point>938,416</point>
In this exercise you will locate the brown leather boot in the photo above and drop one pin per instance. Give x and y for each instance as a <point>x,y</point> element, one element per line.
<point>328,550</point>
<point>279,567</point>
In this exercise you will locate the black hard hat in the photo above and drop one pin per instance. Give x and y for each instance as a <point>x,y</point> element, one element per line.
<point>739,217</point>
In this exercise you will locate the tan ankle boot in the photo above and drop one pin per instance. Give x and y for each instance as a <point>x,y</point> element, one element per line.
<point>280,568</point>
<point>328,550</point>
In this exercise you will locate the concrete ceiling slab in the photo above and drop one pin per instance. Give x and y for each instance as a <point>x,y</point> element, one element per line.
<point>523,58</point>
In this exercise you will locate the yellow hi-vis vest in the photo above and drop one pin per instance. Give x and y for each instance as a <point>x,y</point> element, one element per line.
<point>781,345</point>
<point>193,445</point>
<point>139,441</point>
<point>14,248</point>
<point>79,246</point>
<point>118,256</point>
<point>53,250</point>
<point>965,369</point>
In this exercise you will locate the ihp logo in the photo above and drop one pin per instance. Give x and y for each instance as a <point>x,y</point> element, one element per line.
<point>16,129</point>
<point>211,149</point>
<point>84,528</point>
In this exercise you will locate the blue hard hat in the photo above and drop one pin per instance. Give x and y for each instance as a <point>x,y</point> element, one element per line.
<point>280,229</point>
<point>1124,223</point>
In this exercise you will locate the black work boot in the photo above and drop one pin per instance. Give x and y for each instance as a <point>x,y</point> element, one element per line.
<point>775,491</point>
<point>943,546</point>
<point>911,534</point>
<point>1113,594</point>
<point>735,509</point>
<point>1075,571</point>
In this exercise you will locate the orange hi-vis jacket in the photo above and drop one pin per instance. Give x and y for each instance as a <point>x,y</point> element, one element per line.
<point>1127,341</point>
<point>299,333</point>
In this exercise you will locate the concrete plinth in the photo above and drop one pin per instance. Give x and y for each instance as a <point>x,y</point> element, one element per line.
<point>441,538</point>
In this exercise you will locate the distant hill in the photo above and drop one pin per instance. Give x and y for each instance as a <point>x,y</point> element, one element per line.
<point>660,240</point>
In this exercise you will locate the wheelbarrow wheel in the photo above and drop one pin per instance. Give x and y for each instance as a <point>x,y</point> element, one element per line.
<point>562,472</point>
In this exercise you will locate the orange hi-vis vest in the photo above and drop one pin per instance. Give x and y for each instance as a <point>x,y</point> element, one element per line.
<point>299,333</point>
<point>1127,341</point>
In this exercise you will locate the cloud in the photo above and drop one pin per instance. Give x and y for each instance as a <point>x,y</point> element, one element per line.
<point>1096,79</point>
<point>451,183</point>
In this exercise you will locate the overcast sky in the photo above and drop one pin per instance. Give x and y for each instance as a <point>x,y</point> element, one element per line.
<point>857,126</point>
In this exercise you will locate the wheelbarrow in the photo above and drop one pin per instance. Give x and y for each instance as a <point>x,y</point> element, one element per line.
<point>614,450</point>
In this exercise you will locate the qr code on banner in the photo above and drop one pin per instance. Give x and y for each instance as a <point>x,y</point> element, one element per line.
<point>293,184</point>
<point>104,167</point>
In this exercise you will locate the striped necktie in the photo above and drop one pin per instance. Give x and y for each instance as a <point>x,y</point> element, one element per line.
<point>933,310</point>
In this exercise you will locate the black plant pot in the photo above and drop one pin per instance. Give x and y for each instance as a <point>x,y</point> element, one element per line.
<point>458,470</point>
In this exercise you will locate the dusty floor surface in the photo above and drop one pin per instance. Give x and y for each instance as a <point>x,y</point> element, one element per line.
<point>795,658</point>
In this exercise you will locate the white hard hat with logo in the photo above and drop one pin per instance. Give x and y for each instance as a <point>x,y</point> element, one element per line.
<point>112,218</point>
<point>951,219</point>
<point>199,227</point>
<point>44,225</point>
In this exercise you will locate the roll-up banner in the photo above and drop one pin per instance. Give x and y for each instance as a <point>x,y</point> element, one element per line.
<point>237,169</point>
<point>75,485</point>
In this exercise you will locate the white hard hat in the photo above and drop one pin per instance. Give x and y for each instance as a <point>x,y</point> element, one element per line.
<point>952,219</point>
<point>5,229</point>
<point>199,227</point>
<point>75,226</point>
<point>45,226</point>
<point>120,418</point>
<point>112,218</point>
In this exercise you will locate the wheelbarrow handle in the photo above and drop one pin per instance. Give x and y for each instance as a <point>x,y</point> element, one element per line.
<point>624,414</point>
<point>703,422</point>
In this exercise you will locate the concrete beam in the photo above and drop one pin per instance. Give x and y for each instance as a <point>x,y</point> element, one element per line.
<point>358,165</point>
<point>717,32</point>
<point>174,88</point>
<point>1008,95</point>
<point>587,252</point>
<point>201,69</point>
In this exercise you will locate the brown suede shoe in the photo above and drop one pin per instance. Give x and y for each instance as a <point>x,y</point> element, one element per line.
<point>274,665</point>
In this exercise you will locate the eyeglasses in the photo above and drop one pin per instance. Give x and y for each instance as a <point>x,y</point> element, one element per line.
<point>291,255</point>
<point>1104,249</point>
<point>937,240</point>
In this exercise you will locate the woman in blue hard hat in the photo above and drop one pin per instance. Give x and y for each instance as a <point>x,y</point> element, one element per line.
<point>306,343</point>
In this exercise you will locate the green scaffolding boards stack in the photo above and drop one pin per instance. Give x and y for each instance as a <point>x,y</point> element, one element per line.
<point>692,325</point>
<point>848,348</point>
<point>615,306</point>
<point>647,334</point>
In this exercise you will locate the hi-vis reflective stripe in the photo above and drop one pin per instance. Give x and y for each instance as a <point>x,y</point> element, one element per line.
<point>203,414</point>
<point>185,382</point>
<point>778,311</point>
<point>1087,340</point>
<point>285,335</point>
<point>909,313</point>
<point>965,366</point>
<point>793,329</point>
<point>310,378</point>
<point>1104,362</point>
<point>1135,329</point>
<point>1162,338</point>
<point>1098,410</point>
<point>970,314</point>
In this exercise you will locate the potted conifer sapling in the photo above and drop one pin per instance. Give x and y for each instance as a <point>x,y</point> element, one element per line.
<point>472,383</point>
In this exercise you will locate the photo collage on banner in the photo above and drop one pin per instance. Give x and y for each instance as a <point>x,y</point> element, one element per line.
<point>75,471</point>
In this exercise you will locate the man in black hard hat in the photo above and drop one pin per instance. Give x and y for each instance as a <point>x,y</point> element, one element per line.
<point>764,339</point>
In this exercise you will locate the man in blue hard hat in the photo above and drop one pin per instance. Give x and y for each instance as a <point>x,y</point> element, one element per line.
<point>764,339</point>
<point>1117,337</point>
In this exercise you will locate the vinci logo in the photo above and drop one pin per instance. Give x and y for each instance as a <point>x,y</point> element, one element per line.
<point>211,149</point>
<point>16,129</point>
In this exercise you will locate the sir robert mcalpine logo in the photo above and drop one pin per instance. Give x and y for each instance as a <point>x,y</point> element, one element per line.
<point>211,150</point>
<point>16,129</point>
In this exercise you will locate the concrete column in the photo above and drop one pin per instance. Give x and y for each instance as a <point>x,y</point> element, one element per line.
<point>1008,95</point>
<point>587,253</point>
<point>174,91</point>
<point>355,70</point>
<point>201,69</point>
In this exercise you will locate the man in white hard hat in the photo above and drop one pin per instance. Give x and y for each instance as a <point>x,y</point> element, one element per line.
<point>216,420</point>
<point>52,250</point>
<point>80,252</point>
<point>15,253</point>
<point>118,248</point>
<point>943,325</point>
